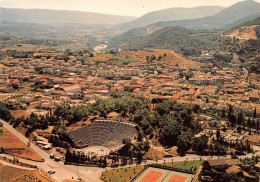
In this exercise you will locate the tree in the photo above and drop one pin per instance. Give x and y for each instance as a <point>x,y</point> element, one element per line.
<point>189,75</point>
<point>218,135</point>
<point>231,116</point>
<point>240,118</point>
<point>181,74</point>
<point>159,58</point>
<point>147,58</point>
<point>146,145</point>
<point>5,114</point>
<point>183,144</point>
<point>220,149</point>
<point>1,150</point>
<point>196,108</point>
<point>253,124</point>
<point>249,123</point>
<point>239,129</point>
<point>223,113</point>
<point>15,86</point>
<point>153,57</point>
<point>200,144</point>
<point>169,132</point>
<point>68,155</point>
<point>162,108</point>
<point>254,115</point>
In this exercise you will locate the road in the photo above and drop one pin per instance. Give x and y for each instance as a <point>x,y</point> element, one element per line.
<point>16,166</point>
<point>89,174</point>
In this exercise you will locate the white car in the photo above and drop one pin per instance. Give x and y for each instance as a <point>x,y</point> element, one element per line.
<point>51,172</point>
<point>56,158</point>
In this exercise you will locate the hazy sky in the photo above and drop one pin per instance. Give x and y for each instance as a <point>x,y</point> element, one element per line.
<point>117,7</point>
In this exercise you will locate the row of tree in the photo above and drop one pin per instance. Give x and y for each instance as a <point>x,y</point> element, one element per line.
<point>239,119</point>
<point>82,158</point>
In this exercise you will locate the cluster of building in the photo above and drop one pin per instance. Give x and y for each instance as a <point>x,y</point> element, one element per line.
<point>232,166</point>
<point>81,82</point>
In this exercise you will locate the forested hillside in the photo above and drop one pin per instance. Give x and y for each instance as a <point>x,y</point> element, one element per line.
<point>191,42</point>
<point>227,18</point>
<point>182,40</point>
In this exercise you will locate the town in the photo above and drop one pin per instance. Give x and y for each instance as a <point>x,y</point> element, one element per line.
<point>146,114</point>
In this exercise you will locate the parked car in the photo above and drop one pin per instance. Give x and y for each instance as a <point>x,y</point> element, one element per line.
<point>51,172</point>
<point>56,158</point>
<point>51,156</point>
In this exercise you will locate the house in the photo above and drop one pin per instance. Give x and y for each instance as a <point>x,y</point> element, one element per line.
<point>26,99</point>
<point>232,162</point>
<point>2,81</point>
<point>47,147</point>
<point>254,96</point>
<point>6,89</point>
<point>69,89</point>
<point>230,91</point>
<point>119,89</point>
<point>214,123</point>
<point>16,81</point>
<point>218,163</point>
<point>48,91</point>
<point>131,88</point>
<point>222,164</point>
<point>45,105</point>
<point>176,96</point>
<point>254,139</point>
<point>12,102</point>
<point>233,169</point>
<point>257,167</point>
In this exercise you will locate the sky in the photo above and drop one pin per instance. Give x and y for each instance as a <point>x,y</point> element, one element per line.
<point>115,7</point>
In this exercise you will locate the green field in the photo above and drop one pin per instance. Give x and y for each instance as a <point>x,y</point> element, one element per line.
<point>189,165</point>
<point>20,48</point>
<point>121,174</point>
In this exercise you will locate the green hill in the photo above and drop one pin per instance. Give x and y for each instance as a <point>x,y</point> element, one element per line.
<point>225,19</point>
<point>189,42</point>
<point>182,40</point>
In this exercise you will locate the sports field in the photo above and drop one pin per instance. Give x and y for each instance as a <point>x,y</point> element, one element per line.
<point>162,175</point>
<point>152,176</point>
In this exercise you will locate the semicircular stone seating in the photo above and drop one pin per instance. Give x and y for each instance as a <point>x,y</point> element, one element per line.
<point>107,133</point>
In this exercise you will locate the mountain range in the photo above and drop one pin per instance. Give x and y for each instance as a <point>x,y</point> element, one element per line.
<point>224,19</point>
<point>46,16</point>
<point>172,14</point>
<point>51,23</point>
